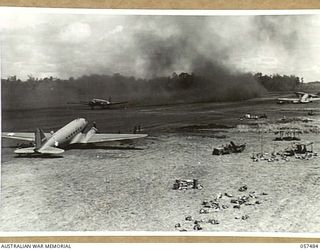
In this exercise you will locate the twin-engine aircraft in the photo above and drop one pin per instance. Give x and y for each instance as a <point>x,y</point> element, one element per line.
<point>302,97</point>
<point>75,133</point>
<point>96,102</point>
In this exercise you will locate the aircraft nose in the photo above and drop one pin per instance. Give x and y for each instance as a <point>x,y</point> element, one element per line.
<point>84,121</point>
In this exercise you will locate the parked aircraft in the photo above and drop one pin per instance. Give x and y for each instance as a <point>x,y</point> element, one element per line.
<point>99,103</point>
<point>302,97</point>
<point>77,132</point>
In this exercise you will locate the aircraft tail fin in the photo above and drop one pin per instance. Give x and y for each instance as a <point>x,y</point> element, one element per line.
<point>304,98</point>
<point>40,138</point>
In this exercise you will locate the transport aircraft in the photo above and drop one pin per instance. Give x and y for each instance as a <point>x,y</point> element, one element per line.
<point>96,102</point>
<point>302,97</point>
<point>75,133</point>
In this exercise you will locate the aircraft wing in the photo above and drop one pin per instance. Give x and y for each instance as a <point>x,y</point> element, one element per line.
<point>78,103</point>
<point>100,138</point>
<point>304,93</point>
<point>299,93</point>
<point>116,103</point>
<point>288,99</point>
<point>27,136</point>
<point>315,99</point>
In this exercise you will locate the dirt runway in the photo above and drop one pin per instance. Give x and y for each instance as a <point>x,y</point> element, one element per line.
<point>122,189</point>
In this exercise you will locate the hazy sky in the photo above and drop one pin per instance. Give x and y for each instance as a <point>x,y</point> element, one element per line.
<point>65,45</point>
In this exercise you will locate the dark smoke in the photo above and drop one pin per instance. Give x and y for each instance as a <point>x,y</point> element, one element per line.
<point>161,56</point>
<point>218,83</point>
<point>153,47</point>
<point>281,31</point>
<point>196,48</point>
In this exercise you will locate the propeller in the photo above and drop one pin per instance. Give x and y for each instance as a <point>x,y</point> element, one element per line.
<point>94,125</point>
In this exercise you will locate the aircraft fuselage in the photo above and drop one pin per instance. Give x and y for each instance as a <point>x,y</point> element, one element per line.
<point>98,102</point>
<point>69,133</point>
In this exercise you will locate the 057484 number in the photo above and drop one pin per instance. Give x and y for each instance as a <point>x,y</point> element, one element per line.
<point>305,246</point>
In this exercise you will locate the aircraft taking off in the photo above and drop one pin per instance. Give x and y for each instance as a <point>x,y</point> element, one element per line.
<point>74,133</point>
<point>302,97</point>
<point>99,103</point>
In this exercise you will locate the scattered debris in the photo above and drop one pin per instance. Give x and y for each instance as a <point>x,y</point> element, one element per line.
<point>300,148</point>
<point>204,211</point>
<point>243,188</point>
<point>269,157</point>
<point>218,196</point>
<point>287,134</point>
<point>251,195</point>
<point>198,221</point>
<point>254,117</point>
<point>213,204</point>
<point>197,227</point>
<point>248,204</point>
<point>213,221</point>
<point>302,151</point>
<point>206,203</point>
<point>189,218</point>
<point>311,112</point>
<point>186,184</point>
<point>306,156</point>
<point>228,149</point>
<point>219,204</point>
<point>245,217</point>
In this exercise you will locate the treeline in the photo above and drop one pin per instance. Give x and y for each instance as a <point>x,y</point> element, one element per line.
<point>177,88</point>
<point>279,82</point>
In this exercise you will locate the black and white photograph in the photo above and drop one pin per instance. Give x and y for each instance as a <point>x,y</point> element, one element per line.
<point>160,121</point>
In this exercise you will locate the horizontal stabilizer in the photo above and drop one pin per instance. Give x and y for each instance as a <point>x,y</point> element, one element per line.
<point>31,150</point>
<point>51,150</point>
<point>25,150</point>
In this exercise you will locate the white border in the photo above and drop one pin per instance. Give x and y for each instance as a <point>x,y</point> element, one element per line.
<point>158,233</point>
<point>32,10</point>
